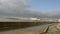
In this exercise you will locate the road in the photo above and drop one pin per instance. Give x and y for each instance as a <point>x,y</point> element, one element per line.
<point>28,30</point>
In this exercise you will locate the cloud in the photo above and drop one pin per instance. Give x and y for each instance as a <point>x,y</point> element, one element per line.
<point>12,6</point>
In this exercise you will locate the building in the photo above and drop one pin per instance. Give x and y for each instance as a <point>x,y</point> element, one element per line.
<point>58,20</point>
<point>34,19</point>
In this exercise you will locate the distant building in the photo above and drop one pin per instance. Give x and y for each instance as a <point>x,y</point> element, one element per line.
<point>58,20</point>
<point>34,19</point>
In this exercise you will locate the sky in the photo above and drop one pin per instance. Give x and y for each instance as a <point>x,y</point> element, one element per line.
<point>45,5</point>
<point>30,8</point>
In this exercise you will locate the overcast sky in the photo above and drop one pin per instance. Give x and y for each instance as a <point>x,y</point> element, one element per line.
<point>12,7</point>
